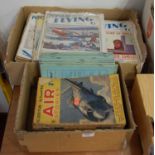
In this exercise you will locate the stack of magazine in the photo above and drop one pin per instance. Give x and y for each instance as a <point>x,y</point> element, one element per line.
<point>78,32</point>
<point>78,87</point>
<point>73,65</point>
<point>72,46</point>
<point>31,37</point>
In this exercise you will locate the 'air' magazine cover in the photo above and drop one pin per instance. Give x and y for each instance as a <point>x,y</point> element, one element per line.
<point>79,103</point>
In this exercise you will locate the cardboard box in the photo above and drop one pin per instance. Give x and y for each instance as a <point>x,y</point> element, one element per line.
<point>15,69</point>
<point>148,27</point>
<point>142,97</point>
<point>65,141</point>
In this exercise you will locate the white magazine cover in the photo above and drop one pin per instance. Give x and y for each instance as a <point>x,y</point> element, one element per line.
<point>70,32</point>
<point>27,43</point>
<point>120,38</point>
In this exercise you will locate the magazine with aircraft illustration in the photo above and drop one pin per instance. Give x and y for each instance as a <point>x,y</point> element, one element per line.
<point>72,32</point>
<point>79,103</point>
<point>121,40</point>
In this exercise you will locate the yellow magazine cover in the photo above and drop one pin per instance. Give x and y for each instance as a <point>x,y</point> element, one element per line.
<point>47,109</point>
<point>79,103</point>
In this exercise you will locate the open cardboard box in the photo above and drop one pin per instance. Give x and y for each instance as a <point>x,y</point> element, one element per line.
<point>142,103</point>
<point>143,123</point>
<point>15,69</point>
<point>65,141</point>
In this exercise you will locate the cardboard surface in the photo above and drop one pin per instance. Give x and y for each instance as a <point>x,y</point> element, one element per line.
<point>15,72</point>
<point>146,86</point>
<point>142,95</point>
<point>148,27</point>
<point>66,141</point>
<point>16,33</point>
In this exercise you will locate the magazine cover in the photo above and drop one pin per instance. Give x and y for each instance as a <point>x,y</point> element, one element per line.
<point>79,103</point>
<point>28,41</point>
<point>121,40</point>
<point>64,32</point>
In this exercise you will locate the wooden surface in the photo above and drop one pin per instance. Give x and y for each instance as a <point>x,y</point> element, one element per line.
<point>10,145</point>
<point>146,85</point>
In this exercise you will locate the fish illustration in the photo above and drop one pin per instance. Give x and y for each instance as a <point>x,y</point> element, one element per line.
<point>94,107</point>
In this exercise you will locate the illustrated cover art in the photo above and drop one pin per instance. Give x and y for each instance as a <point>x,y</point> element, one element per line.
<point>64,32</point>
<point>121,40</point>
<point>79,103</point>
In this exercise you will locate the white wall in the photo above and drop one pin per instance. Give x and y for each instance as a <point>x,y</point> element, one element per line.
<point>9,8</point>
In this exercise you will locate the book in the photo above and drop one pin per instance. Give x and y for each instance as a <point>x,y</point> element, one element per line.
<point>29,38</point>
<point>79,103</point>
<point>75,65</point>
<point>72,32</point>
<point>75,71</point>
<point>120,38</point>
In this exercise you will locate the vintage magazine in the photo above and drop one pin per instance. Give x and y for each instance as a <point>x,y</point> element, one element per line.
<point>79,103</point>
<point>72,32</point>
<point>120,39</point>
<point>29,38</point>
<point>49,70</point>
<point>74,65</point>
